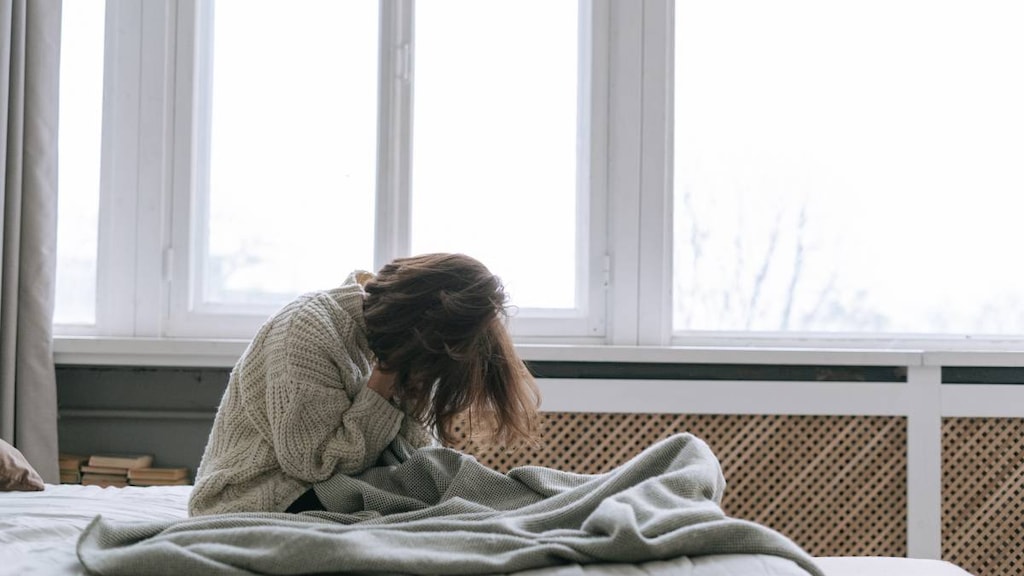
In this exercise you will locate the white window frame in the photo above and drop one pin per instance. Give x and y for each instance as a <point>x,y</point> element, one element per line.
<point>586,323</point>
<point>655,314</point>
<point>625,191</point>
<point>151,168</point>
<point>133,179</point>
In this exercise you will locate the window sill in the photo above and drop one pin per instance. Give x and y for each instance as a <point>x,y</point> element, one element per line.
<point>222,353</point>
<point>152,352</point>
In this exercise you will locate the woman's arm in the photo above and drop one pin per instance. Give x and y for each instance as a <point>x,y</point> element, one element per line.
<point>318,427</point>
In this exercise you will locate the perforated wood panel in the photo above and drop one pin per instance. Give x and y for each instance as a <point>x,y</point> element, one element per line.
<point>982,489</point>
<point>836,485</point>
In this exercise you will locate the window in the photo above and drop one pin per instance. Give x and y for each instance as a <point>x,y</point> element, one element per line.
<point>81,106</point>
<point>638,173</point>
<point>495,138</point>
<point>286,167</point>
<point>242,171</point>
<point>848,168</point>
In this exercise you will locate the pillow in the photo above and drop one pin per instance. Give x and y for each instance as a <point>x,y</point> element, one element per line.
<point>15,471</point>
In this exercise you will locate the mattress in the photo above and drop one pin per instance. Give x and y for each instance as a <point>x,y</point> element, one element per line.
<point>39,532</point>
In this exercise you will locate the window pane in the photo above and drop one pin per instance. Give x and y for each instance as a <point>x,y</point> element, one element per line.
<point>292,148</point>
<point>81,113</point>
<point>494,141</point>
<point>849,166</point>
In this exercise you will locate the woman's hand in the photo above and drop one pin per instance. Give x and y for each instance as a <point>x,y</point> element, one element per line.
<point>382,382</point>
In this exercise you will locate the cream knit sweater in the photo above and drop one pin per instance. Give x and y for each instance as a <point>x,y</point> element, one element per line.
<point>297,409</point>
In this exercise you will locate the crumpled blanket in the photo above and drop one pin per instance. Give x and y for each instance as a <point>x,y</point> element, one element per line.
<point>438,511</point>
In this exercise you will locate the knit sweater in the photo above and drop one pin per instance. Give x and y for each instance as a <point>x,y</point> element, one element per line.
<point>297,410</point>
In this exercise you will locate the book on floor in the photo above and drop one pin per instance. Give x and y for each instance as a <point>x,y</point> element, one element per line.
<point>71,467</point>
<point>159,482</point>
<point>69,462</point>
<point>157,473</point>
<point>87,469</point>
<point>126,461</point>
<point>104,480</point>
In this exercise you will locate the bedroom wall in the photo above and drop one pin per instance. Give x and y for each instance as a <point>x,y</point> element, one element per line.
<point>166,412</point>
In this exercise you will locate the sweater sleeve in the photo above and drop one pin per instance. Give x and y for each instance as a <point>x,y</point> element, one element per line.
<point>323,418</point>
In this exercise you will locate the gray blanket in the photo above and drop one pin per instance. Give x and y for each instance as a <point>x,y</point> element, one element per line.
<point>437,511</point>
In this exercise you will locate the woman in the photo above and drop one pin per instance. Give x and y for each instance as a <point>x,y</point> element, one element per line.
<point>333,377</point>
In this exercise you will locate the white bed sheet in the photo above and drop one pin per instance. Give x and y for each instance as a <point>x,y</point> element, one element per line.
<point>39,531</point>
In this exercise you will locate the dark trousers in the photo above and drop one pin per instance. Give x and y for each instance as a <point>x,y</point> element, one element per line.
<point>308,501</point>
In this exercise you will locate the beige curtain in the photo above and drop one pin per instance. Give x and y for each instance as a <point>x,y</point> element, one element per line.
<point>29,82</point>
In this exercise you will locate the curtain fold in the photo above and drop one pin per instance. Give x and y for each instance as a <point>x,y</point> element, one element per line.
<point>29,98</point>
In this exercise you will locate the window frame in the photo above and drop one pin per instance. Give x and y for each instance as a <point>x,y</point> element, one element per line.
<point>624,188</point>
<point>659,35</point>
<point>154,120</point>
<point>586,323</point>
<point>132,215</point>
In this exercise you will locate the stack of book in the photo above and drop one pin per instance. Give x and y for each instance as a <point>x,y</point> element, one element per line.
<point>158,476</point>
<point>112,469</point>
<point>71,468</point>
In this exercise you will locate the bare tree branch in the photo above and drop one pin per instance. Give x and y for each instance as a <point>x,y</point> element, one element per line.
<point>762,273</point>
<point>827,292</point>
<point>697,245</point>
<point>798,263</point>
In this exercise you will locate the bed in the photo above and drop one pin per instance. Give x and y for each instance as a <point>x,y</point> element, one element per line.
<point>146,530</point>
<point>39,532</point>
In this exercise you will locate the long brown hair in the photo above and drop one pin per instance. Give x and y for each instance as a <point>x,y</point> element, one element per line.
<point>439,321</point>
